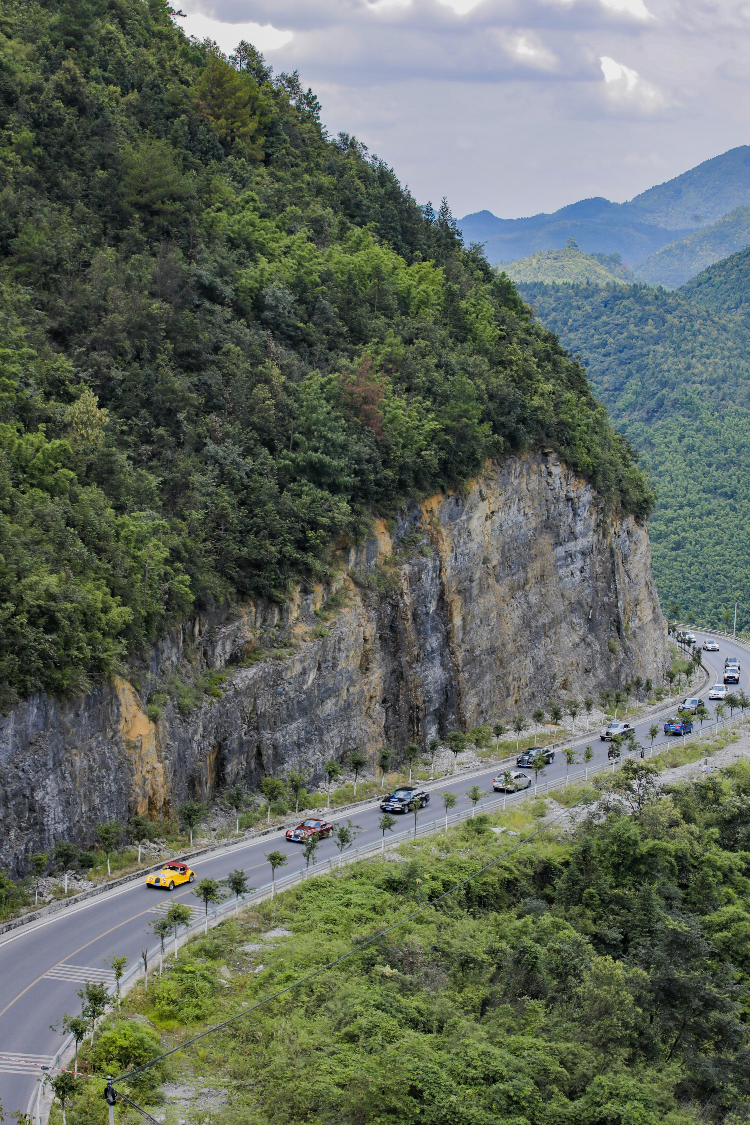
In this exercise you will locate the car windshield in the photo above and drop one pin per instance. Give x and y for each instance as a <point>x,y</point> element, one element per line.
<point>404,794</point>
<point>310,823</point>
<point>174,867</point>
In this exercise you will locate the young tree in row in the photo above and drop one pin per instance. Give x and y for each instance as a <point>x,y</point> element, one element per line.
<point>237,882</point>
<point>653,731</point>
<point>276,859</point>
<point>191,814</point>
<point>411,753</point>
<point>236,798</point>
<point>384,760</point>
<point>333,772</point>
<point>386,824</point>
<point>64,1087</point>
<point>475,795</point>
<point>433,746</point>
<point>571,757</point>
<point>344,836</point>
<point>573,708</point>
<point>177,915</point>
<point>38,866</point>
<point>309,850</point>
<point>109,835</point>
<point>414,806</point>
<point>77,1026</point>
<point>520,723</point>
<point>357,762</point>
<point>161,928</point>
<point>456,743</point>
<point>94,1003</point>
<point>499,730</point>
<point>297,782</point>
<point>449,802</point>
<point>538,764</point>
<point>117,965</point>
<point>556,714</point>
<point>538,717</point>
<point>208,891</point>
<point>588,754</point>
<point>588,706</point>
<point>140,829</point>
<point>273,790</point>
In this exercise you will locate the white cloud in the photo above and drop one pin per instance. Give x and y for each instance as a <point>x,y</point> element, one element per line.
<point>461,7</point>
<point>625,85</point>
<point>634,8</point>
<point>616,72</point>
<point>265,37</point>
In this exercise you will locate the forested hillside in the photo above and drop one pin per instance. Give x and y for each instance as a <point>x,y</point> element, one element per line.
<point>226,340</point>
<point>568,264</point>
<point>675,375</point>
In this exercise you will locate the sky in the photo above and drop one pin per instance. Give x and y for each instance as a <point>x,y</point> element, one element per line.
<point>514,106</point>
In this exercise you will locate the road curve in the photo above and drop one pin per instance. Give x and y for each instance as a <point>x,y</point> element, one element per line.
<point>43,964</point>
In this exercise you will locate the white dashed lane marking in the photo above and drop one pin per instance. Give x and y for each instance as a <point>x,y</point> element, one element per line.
<point>12,1063</point>
<point>78,974</point>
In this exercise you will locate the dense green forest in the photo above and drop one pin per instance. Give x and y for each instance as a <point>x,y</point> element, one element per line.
<point>226,339</point>
<point>568,264</point>
<point>678,261</point>
<point>675,375</point>
<point>599,978</point>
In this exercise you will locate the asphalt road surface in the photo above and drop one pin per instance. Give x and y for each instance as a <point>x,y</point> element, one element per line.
<point>43,964</point>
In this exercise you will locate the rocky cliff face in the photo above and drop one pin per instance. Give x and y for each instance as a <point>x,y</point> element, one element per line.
<point>474,606</point>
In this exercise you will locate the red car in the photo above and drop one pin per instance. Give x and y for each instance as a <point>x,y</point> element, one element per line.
<point>320,829</point>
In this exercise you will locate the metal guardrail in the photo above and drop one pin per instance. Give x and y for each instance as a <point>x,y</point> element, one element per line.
<point>365,851</point>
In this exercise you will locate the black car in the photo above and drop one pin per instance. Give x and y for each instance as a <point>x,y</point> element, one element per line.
<point>400,800</point>
<point>527,758</point>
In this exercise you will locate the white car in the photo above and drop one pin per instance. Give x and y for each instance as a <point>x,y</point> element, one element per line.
<point>718,691</point>
<point>607,733</point>
<point>710,646</point>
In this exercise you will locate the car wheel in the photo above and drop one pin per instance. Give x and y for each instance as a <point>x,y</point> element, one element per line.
<point>191,879</point>
<point>170,887</point>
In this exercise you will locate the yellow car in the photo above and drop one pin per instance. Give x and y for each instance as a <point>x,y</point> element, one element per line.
<point>171,876</point>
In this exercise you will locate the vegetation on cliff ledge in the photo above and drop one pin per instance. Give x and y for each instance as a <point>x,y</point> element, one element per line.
<point>225,339</point>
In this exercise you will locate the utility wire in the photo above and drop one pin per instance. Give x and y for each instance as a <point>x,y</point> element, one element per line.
<point>127,1075</point>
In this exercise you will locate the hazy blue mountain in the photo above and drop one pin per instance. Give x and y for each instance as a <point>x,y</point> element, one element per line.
<point>697,197</point>
<point>678,261</point>
<point>596,225</point>
<point>638,229</point>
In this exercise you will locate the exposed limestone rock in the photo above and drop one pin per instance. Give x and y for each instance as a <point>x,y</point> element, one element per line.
<point>473,606</point>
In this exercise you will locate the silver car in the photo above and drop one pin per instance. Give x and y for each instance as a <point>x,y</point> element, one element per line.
<point>511,782</point>
<point>607,733</point>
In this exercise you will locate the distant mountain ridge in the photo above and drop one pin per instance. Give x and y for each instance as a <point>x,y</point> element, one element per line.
<point>678,261</point>
<point>639,229</point>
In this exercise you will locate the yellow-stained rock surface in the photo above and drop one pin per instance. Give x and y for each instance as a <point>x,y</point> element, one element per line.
<point>472,606</point>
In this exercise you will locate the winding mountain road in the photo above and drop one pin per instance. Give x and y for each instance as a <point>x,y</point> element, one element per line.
<point>43,963</point>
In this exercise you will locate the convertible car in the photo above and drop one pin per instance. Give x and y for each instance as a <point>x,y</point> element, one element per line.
<point>171,876</point>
